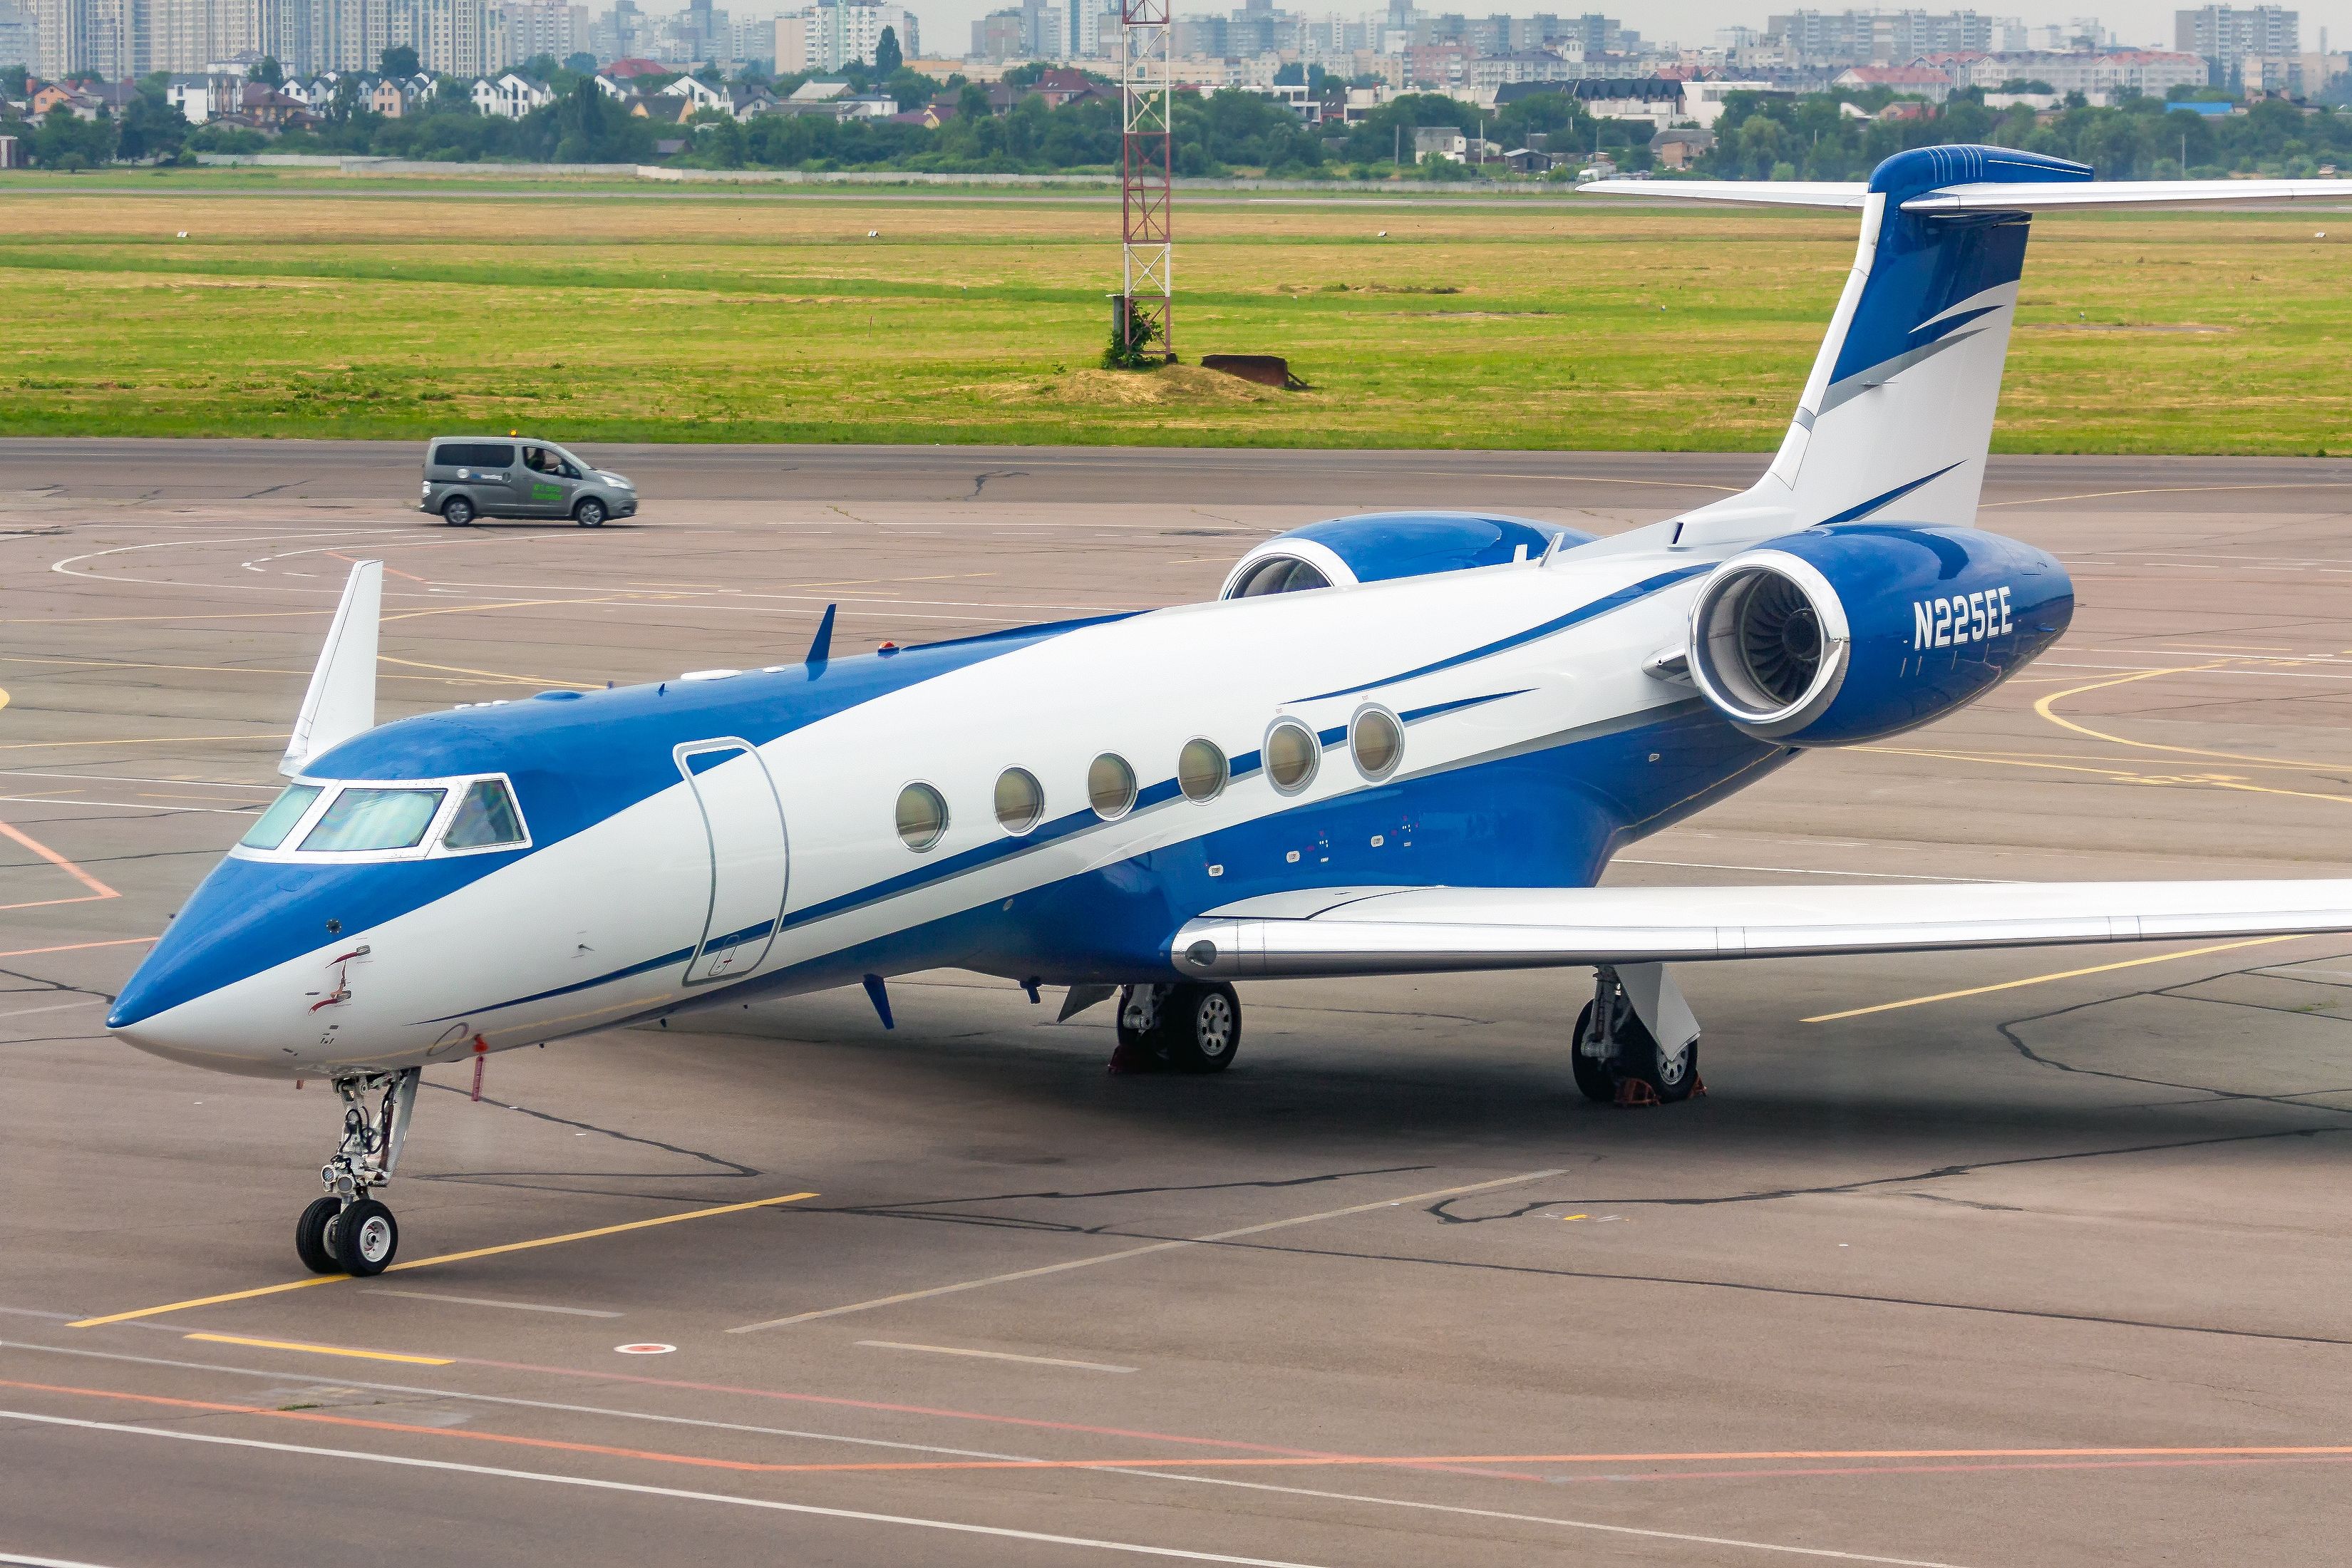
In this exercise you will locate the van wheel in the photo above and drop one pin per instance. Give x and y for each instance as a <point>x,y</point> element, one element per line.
<point>457,512</point>
<point>590,513</point>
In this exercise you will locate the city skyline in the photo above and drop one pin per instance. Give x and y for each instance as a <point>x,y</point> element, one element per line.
<point>1690,23</point>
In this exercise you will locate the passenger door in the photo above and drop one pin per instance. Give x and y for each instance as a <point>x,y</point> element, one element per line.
<point>744,823</point>
<point>491,485</point>
<point>541,491</point>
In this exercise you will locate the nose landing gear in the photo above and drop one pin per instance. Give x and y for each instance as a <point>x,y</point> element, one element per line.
<point>348,1231</point>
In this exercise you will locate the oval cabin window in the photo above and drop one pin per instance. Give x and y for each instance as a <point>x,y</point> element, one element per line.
<point>1110,786</point>
<point>1201,769</point>
<point>1291,755</point>
<point>922,816</point>
<point>1020,801</point>
<point>1379,742</point>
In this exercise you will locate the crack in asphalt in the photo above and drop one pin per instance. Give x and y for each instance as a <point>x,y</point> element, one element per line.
<point>733,1167</point>
<point>1940,1173</point>
<point>980,481</point>
<point>926,1209</point>
<point>1697,1282</point>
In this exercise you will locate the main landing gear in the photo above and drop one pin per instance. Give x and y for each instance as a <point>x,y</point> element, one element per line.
<point>1618,1061</point>
<point>1189,1028</point>
<point>348,1231</point>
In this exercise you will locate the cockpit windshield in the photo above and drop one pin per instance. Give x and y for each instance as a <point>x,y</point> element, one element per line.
<point>376,819</point>
<point>270,830</point>
<point>485,817</point>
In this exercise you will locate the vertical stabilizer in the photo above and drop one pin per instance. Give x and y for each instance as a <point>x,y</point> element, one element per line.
<point>340,702</point>
<point>1897,416</point>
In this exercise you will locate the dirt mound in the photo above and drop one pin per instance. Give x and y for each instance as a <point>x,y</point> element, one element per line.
<point>1175,385</point>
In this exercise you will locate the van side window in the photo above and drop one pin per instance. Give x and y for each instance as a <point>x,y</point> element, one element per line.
<point>472,455</point>
<point>486,817</point>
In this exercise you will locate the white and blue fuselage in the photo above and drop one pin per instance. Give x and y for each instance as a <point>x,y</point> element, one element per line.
<point>736,834</point>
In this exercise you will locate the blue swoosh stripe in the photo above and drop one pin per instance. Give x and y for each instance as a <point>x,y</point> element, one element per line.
<point>1854,513</point>
<point>1601,606</point>
<point>956,864</point>
<point>1412,714</point>
<point>1947,326</point>
<point>680,956</point>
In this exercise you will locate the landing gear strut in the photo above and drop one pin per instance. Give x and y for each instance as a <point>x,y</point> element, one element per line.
<point>1191,1028</point>
<point>1618,1061</point>
<point>348,1230</point>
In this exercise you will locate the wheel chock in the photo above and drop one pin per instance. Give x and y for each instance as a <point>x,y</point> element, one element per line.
<point>1636,1094</point>
<point>1125,1060</point>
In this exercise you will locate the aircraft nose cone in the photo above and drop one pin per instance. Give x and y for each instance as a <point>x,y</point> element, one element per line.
<point>246,916</point>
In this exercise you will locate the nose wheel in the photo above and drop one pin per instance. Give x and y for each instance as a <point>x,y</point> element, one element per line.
<point>349,1230</point>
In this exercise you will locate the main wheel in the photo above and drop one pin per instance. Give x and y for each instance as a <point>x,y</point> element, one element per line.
<point>366,1237</point>
<point>457,512</point>
<point>589,513</point>
<point>314,1236</point>
<point>1596,1076</point>
<point>1672,1074</point>
<point>1203,1025</point>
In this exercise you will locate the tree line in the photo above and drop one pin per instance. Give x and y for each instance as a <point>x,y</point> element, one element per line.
<point>1823,136</point>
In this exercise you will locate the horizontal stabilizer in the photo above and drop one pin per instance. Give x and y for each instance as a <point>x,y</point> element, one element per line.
<point>1360,931</point>
<point>2039,196</point>
<point>2064,197</point>
<point>1746,192</point>
<point>340,702</point>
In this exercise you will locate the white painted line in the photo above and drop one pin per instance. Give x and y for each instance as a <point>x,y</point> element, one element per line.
<point>135,778</point>
<point>1186,1477</point>
<point>995,1356</point>
<point>1772,1546</point>
<point>1801,871</point>
<point>135,806</point>
<point>278,1375</point>
<point>1143,1251</point>
<point>487,1301</point>
<point>54,1007</point>
<point>641,1489</point>
<point>16,1557</point>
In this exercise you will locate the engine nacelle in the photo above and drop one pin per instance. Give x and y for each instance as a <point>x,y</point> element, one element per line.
<point>1376,546</point>
<point>1852,632</point>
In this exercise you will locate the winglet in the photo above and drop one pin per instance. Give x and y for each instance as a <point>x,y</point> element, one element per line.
<point>340,702</point>
<point>821,646</point>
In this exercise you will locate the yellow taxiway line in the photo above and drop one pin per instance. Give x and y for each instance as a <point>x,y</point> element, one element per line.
<point>2045,978</point>
<point>322,1350</point>
<point>443,1258</point>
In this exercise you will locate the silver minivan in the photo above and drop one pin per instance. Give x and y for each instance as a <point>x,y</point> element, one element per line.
<point>467,477</point>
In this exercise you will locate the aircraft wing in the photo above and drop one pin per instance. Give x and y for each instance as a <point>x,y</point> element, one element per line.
<point>1395,931</point>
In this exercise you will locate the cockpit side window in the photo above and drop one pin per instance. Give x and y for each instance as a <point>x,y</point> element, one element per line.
<point>1279,575</point>
<point>270,830</point>
<point>485,817</point>
<point>365,818</point>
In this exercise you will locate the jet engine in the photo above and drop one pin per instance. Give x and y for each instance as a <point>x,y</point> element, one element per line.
<point>1376,546</point>
<point>1854,632</point>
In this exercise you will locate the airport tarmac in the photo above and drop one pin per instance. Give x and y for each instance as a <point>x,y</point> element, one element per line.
<point>1990,1258</point>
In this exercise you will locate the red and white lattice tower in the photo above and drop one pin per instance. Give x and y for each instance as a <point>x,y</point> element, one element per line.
<point>1147,296</point>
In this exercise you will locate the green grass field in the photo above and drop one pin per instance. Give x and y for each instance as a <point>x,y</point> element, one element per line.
<point>303,306</point>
